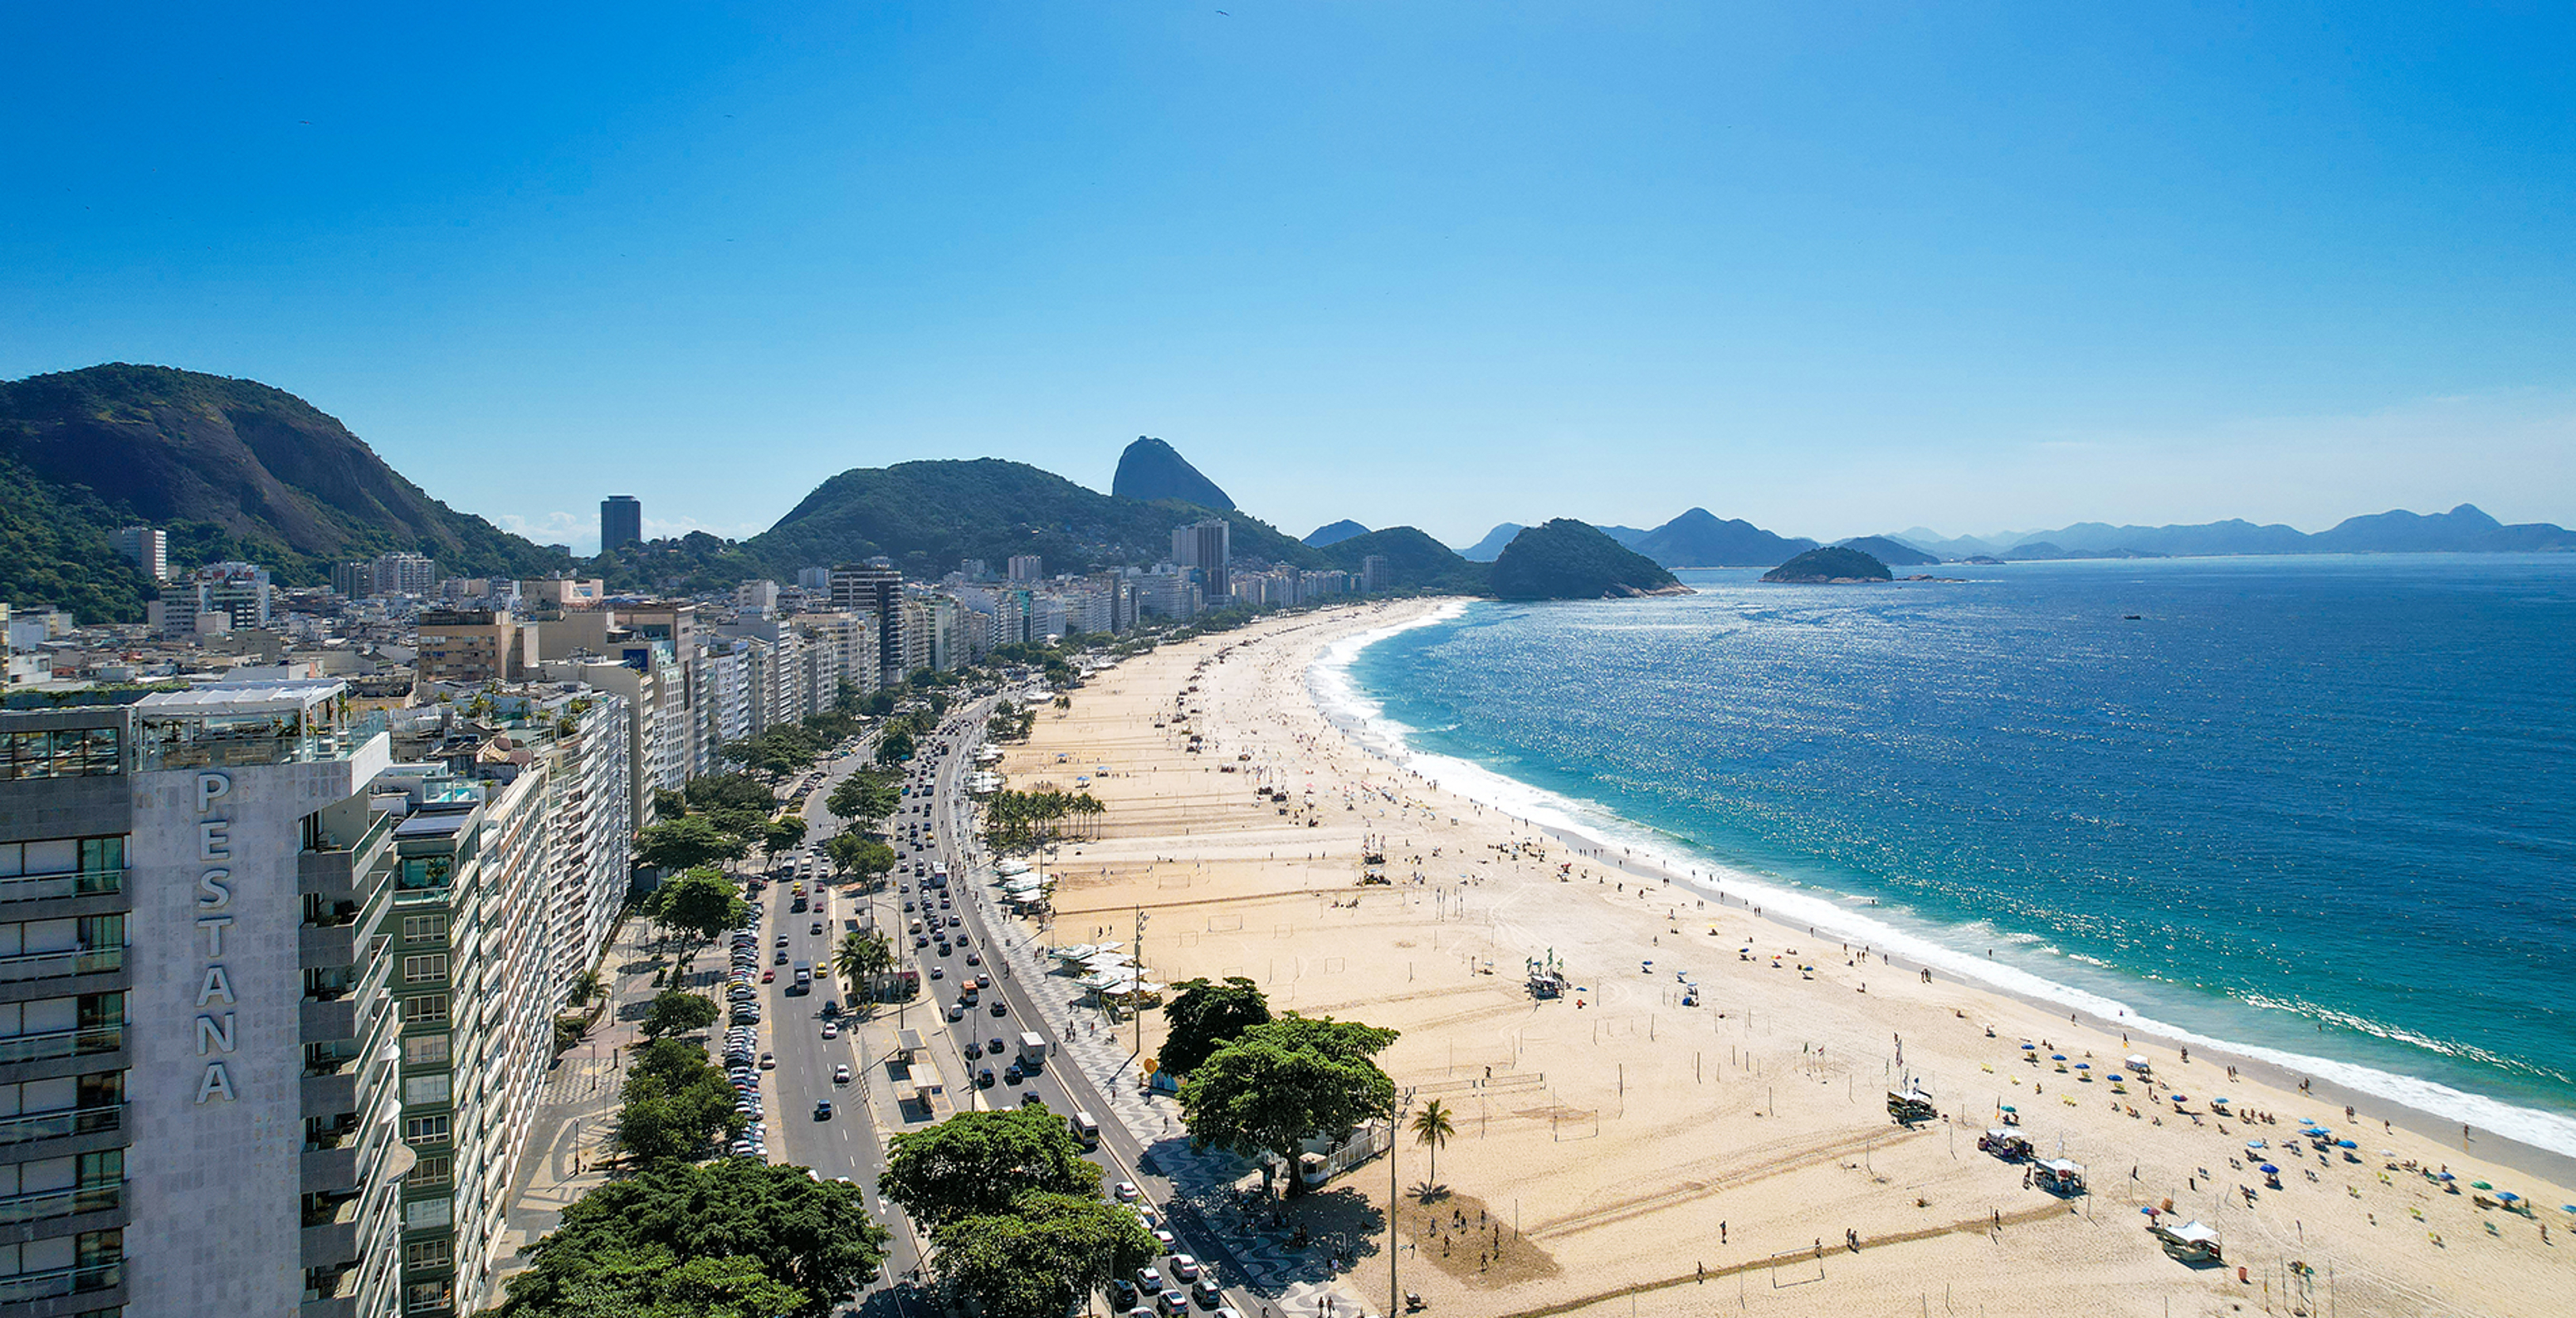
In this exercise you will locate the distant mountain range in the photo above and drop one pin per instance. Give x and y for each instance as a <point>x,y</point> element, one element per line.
<point>1333,533</point>
<point>230,469</point>
<point>2464,529</point>
<point>1151,471</point>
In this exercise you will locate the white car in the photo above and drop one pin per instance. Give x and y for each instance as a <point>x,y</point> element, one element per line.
<point>1126,1192</point>
<point>831,1031</point>
<point>841,1074</point>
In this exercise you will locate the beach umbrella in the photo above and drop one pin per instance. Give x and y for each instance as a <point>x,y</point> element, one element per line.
<point>2269,1170</point>
<point>2444,1176</point>
<point>2010,1108</point>
<point>2083,1066</point>
<point>2509,1197</point>
<point>2480,1185</point>
<point>2057,1057</point>
<point>2567,1208</point>
<point>2346,1144</point>
<point>2179,1098</point>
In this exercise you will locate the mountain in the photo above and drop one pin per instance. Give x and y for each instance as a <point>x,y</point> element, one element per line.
<point>928,515</point>
<point>2043,550</point>
<point>1414,561</point>
<point>2464,529</point>
<point>1151,469</point>
<point>1894,553</point>
<point>1625,535</point>
<point>1491,547</point>
<point>1332,533</point>
<point>1699,539</point>
<point>1567,559</point>
<point>229,468</point>
<point>1833,563</point>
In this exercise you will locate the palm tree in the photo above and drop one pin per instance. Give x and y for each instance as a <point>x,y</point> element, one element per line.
<point>1432,1126</point>
<point>586,988</point>
<point>862,953</point>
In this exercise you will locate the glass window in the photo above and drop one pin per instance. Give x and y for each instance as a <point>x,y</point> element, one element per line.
<point>428,1214</point>
<point>425,1296</point>
<point>421,928</point>
<point>430,1254</point>
<point>428,969</point>
<point>426,1090</point>
<point>425,1130</point>
<point>430,1171</point>
<point>424,1008</point>
<point>425,1050</point>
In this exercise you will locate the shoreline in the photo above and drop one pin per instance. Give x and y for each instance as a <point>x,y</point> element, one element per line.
<point>2282,1067</point>
<point>1609,1135</point>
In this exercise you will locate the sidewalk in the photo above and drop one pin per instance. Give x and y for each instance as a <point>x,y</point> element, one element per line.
<point>569,1138</point>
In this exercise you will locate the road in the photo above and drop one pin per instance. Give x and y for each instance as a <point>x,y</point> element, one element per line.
<point>934,823</point>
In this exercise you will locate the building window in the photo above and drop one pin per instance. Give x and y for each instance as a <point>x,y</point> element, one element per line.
<point>425,1296</point>
<point>68,753</point>
<point>430,1171</point>
<point>425,1008</point>
<point>425,1090</point>
<point>428,1214</point>
<point>425,1130</point>
<point>425,1050</point>
<point>439,1254</point>
<point>422,928</point>
<point>428,969</point>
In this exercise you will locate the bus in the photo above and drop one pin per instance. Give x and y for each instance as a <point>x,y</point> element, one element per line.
<point>1084,1129</point>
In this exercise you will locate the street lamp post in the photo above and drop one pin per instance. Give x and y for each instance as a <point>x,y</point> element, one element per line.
<point>1394,1128</point>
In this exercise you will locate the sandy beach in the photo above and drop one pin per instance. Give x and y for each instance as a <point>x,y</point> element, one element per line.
<point>1620,1152</point>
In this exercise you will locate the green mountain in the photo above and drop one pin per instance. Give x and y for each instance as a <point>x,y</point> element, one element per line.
<point>1334,532</point>
<point>928,515</point>
<point>1151,471</point>
<point>1414,561</point>
<point>1567,559</point>
<point>1829,564</point>
<point>1699,538</point>
<point>229,468</point>
<point>1491,547</point>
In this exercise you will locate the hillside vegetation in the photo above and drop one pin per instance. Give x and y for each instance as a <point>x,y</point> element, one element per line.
<point>1567,559</point>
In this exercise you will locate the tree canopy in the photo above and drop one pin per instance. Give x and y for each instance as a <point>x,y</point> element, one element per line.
<point>677,1011</point>
<point>1043,1257</point>
<point>866,857</point>
<point>687,843</point>
<point>864,798</point>
<point>701,903</point>
<point>1204,1015</point>
<point>979,1163</point>
<point>737,1237</point>
<point>673,1103</point>
<point>1279,1084</point>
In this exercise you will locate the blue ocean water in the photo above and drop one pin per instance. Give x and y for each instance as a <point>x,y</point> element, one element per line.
<point>2322,807</point>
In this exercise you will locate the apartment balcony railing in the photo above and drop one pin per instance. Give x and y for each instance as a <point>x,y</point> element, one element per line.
<point>62,1043</point>
<point>56,1125</point>
<point>39,887</point>
<point>70,961</point>
<point>26,1286</point>
<point>60,1203</point>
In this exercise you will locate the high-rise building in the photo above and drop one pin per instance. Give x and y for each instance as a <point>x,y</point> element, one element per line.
<point>621,522</point>
<point>876,590</point>
<point>237,591</point>
<point>1374,575</point>
<point>225,1095</point>
<point>1027,568</point>
<point>1208,547</point>
<point>475,646</point>
<point>147,549</point>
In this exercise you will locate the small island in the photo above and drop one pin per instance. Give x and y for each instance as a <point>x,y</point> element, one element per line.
<point>1569,560</point>
<point>1832,565</point>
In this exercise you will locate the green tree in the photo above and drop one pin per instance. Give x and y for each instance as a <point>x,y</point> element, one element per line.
<point>735,791</point>
<point>1433,1126</point>
<point>979,1163</point>
<point>669,804</point>
<point>785,833</point>
<point>677,1011</point>
<point>1204,1016</point>
<point>700,903</point>
<point>736,1237</point>
<point>894,748</point>
<point>673,1103</point>
<point>868,858</point>
<point>861,953</point>
<point>1280,1084</point>
<point>587,988</point>
<point>864,799</point>
<point>686,844</point>
<point>1044,1257</point>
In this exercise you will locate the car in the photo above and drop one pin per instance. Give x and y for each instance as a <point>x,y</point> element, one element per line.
<point>1183,1267</point>
<point>944,948</point>
<point>818,928</point>
<point>1122,1294</point>
<point>822,1109</point>
<point>779,959</point>
<point>993,1046</point>
<point>984,1078</point>
<point>956,1012</point>
<point>841,1074</point>
<point>1001,1008</point>
<point>981,981</point>
<point>769,1061</point>
<point>974,958</point>
<point>782,941</point>
<point>1015,1074</point>
<point>1173,1303</point>
<point>1126,1192</point>
<point>1148,1280</point>
<point>937,972</point>
<point>956,922</point>
<point>910,907</point>
<point>921,940</point>
<point>1207,1293</point>
<point>943,903</point>
<point>831,1031</point>
<point>769,977</point>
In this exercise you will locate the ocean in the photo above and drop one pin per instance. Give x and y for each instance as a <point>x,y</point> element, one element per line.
<point>2318,809</point>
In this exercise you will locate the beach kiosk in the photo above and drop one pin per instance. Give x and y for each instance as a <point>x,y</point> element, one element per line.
<point>2192,1242</point>
<point>2009,1145</point>
<point>2137,1062</point>
<point>1909,1106</point>
<point>2059,1176</point>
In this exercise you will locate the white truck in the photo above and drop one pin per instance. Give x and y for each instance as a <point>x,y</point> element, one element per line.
<point>1032,1049</point>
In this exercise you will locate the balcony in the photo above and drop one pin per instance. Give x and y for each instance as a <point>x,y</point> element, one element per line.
<point>217,744</point>
<point>331,1236</point>
<point>331,870</point>
<point>70,961</point>
<point>59,1203</point>
<point>30,1286</point>
<point>62,1043</point>
<point>57,1125</point>
<point>41,887</point>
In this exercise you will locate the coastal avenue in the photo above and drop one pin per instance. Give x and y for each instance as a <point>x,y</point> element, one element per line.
<point>849,1143</point>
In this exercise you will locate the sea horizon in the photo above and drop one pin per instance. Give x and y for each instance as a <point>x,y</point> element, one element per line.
<point>1444,694</point>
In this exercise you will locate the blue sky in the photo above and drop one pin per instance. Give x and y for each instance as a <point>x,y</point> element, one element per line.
<point>1836,270</point>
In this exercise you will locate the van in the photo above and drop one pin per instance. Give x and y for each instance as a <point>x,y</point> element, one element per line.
<point>804,972</point>
<point>1084,1129</point>
<point>1032,1049</point>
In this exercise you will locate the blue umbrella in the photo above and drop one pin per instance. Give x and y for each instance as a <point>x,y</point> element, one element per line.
<point>2269,1170</point>
<point>2346,1144</point>
<point>2057,1057</point>
<point>2509,1196</point>
<point>2445,1176</point>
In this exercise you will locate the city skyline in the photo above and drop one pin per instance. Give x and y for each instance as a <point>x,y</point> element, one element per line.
<point>2009,270</point>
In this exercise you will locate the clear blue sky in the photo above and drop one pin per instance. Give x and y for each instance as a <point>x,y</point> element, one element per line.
<point>1833,270</point>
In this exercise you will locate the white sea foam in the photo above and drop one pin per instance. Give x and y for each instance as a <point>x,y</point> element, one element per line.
<point>1365,721</point>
